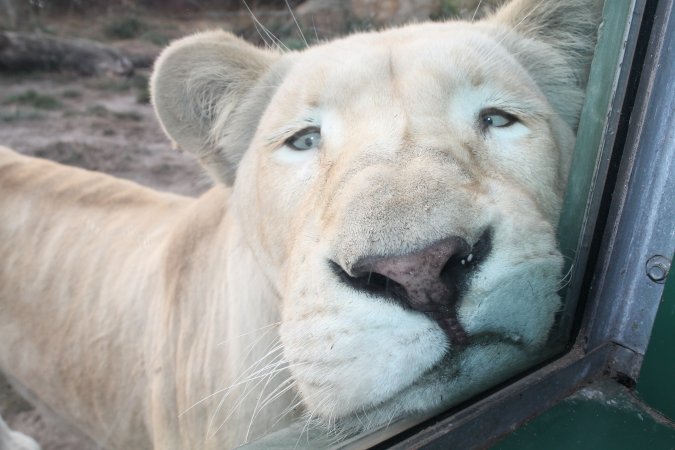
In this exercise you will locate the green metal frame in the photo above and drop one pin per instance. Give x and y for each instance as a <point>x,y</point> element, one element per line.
<point>607,415</point>
<point>655,385</point>
<point>589,164</point>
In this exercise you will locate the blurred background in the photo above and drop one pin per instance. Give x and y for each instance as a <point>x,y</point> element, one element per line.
<point>74,89</point>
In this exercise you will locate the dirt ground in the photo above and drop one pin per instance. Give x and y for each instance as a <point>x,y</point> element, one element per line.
<point>98,124</point>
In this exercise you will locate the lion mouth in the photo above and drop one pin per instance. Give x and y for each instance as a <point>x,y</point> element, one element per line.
<point>444,312</point>
<point>435,384</point>
<point>431,280</point>
<point>498,337</point>
<point>474,341</point>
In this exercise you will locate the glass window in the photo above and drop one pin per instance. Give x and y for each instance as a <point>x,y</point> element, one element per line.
<point>398,224</point>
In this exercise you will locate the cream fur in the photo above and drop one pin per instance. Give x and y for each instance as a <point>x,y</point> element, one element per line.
<point>148,320</point>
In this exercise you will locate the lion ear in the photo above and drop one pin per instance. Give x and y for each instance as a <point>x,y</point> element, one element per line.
<point>201,87</point>
<point>554,40</point>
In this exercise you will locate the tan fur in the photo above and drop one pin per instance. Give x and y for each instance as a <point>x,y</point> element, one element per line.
<point>150,320</point>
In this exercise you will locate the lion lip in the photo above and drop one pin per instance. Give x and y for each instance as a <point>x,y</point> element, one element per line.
<point>449,366</point>
<point>498,337</point>
<point>482,338</point>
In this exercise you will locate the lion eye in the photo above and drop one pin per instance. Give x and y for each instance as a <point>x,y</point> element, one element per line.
<point>496,118</point>
<point>306,139</point>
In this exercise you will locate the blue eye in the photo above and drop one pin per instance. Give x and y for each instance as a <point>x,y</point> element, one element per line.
<point>496,118</point>
<point>306,139</point>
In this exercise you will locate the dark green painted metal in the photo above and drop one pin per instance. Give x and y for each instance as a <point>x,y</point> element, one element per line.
<point>597,418</point>
<point>655,385</point>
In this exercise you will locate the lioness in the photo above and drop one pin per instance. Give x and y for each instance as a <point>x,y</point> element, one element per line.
<point>381,239</point>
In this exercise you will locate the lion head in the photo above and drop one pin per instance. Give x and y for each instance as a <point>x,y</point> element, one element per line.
<point>400,190</point>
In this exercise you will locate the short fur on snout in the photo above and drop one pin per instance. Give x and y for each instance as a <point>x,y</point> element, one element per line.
<point>238,311</point>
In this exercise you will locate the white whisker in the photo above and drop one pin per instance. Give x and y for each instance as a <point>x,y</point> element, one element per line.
<point>238,381</point>
<point>476,11</point>
<point>302,35</point>
<point>279,44</point>
<point>293,405</point>
<point>276,393</point>
<point>316,34</point>
<point>248,333</point>
<point>246,393</point>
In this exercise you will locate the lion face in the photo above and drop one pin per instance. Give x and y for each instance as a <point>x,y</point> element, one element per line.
<point>401,191</point>
<point>410,190</point>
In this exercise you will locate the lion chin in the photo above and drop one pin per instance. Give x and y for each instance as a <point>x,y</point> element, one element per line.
<point>380,240</point>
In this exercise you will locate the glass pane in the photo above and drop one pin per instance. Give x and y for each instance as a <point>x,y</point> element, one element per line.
<point>578,210</point>
<point>379,241</point>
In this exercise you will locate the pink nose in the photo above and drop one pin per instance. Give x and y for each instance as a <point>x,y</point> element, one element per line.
<point>431,279</point>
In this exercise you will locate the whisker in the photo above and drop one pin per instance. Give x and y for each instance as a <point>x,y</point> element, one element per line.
<point>566,278</point>
<point>476,11</point>
<point>316,34</point>
<point>306,427</point>
<point>276,393</point>
<point>248,333</point>
<point>302,35</point>
<point>270,370</point>
<point>238,381</point>
<point>293,405</point>
<point>270,376</point>
<point>279,44</point>
<point>244,395</point>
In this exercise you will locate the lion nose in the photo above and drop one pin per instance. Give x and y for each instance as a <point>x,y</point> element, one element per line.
<point>428,280</point>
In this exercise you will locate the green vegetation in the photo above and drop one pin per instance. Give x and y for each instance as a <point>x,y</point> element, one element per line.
<point>448,9</point>
<point>110,84</point>
<point>141,85</point>
<point>137,83</point>
<point>33,99</point>
<point>124,28</point>
<point>132,116</point>
<point>128,27</point>
<point>99,110</point>
<point>16,114</point>
<point>155,37</point>
<point>293,43</point>
<point>71,93</point>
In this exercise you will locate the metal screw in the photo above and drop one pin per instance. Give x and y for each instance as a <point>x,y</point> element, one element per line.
<point>657,268</point>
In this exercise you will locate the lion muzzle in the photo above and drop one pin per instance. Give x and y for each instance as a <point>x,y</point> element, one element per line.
<point>430,280</point>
